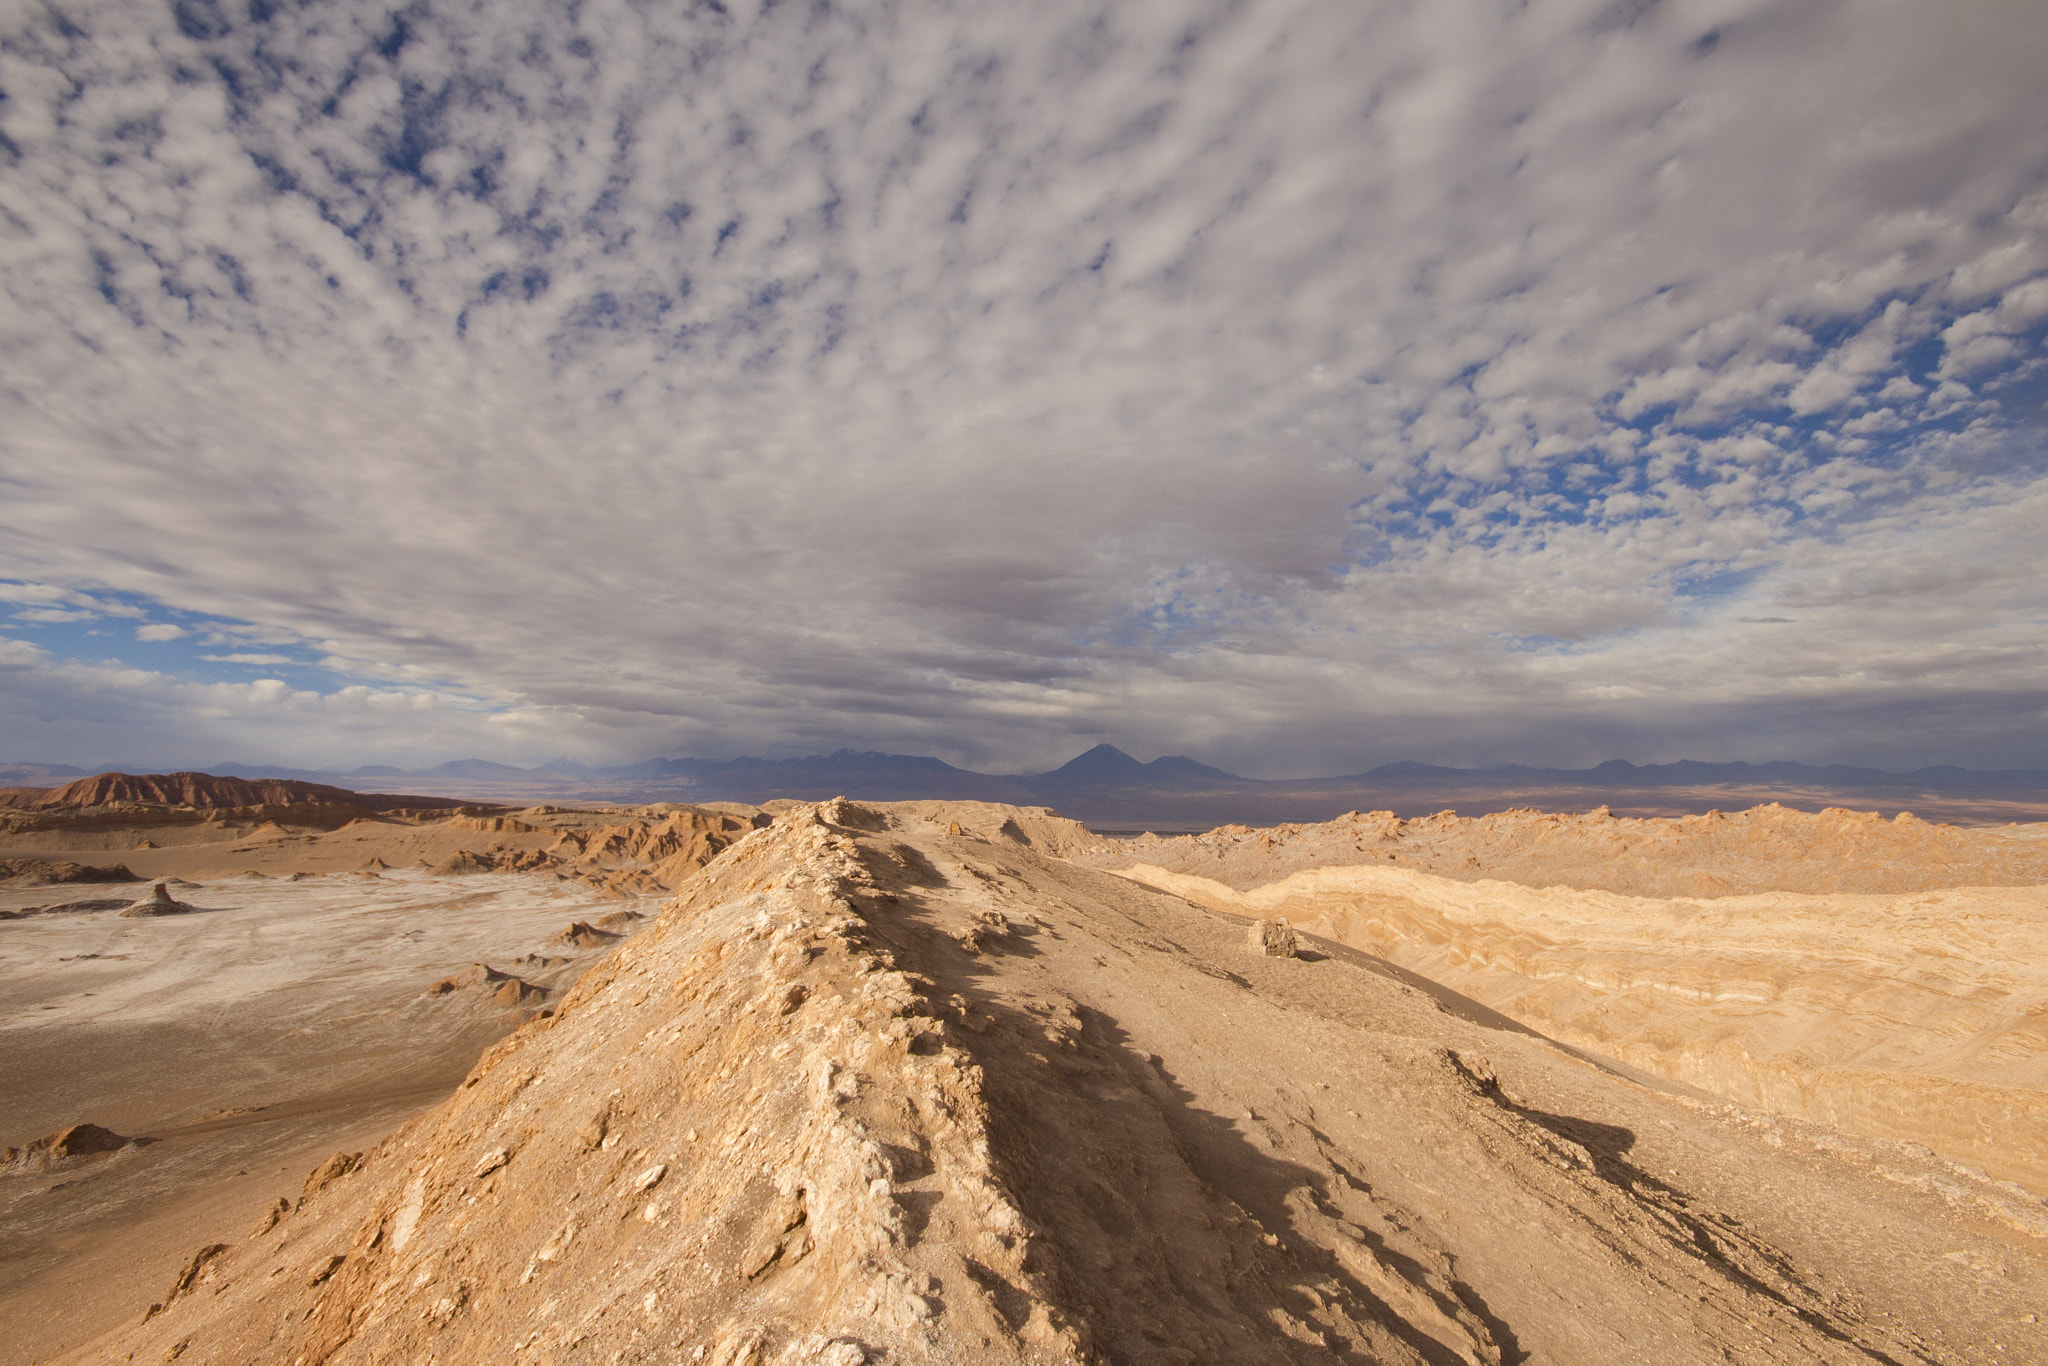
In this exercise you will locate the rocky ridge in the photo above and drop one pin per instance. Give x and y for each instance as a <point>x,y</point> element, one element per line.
<point>204,792</point>
<point>1764,849</point>
<point>893,1085</point>
<point>621,852</point>
<point>1910,1003</point>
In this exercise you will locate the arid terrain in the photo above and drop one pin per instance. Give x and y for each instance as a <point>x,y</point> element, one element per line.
<point>291,1007</point>
<point>962,1082</point>
<point>1109,790</point>
<point>1887,978</point>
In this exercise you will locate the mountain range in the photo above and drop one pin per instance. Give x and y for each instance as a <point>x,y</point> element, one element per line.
<point>1111,789</point>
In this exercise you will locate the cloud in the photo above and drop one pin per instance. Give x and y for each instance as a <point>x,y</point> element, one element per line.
<point>259,660</point>
<point>161,630</point>
<point>1299,383</point>
<point>35,592</point>
<point>64,706</point>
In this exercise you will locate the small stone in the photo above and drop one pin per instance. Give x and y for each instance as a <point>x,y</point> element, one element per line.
<point>1274,939</point>
<point>650,1178</point>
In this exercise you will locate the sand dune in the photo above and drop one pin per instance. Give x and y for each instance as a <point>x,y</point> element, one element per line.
<point>897,1085</point>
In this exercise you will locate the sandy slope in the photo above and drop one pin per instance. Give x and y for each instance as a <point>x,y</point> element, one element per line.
<point>1766,848</point>
<point>872,1090</point>
<point>1921,1017</point>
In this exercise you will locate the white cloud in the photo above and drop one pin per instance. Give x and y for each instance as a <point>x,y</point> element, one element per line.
<point>984,382</point>
<point>35,592</point>
<point>160,630</point>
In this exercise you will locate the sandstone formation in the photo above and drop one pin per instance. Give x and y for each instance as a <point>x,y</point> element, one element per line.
<point>204,792</point>
<point>621,852</point>
<point>158,902</point>
<point>69,907</point>
<point>582,935</point>
<point>869,1090</point>
<point>38,872</point>
<point>1914,1016</point>
<point>1766,849</point>
<point>79,1140</point>
<point>1274,939</point>
<point>505,991</point>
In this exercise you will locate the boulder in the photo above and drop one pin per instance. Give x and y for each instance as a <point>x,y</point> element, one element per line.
<point>1274,939</point>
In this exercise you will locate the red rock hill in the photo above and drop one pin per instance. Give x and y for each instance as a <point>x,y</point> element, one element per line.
<point>205,792</point>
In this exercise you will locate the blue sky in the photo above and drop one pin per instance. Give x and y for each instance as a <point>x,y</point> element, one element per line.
<point>1301,385</point>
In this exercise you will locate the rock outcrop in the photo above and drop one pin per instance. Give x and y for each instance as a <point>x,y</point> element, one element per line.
<point>1274,939</point>
<point>158,902</point>
<point>869,1091</point>
<point>504,990</point>
<point>205,792</point>
<point>1915,1017</point>
<point>37,872</point>
<point>581,934</point>
<point>1766,849</point>
<point>80,1140</point>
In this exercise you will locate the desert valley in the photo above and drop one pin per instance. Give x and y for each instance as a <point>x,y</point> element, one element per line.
<point>902,683</point>
<point>296,1074</point>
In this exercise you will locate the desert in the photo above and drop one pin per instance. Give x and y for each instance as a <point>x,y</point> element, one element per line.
<point>956,1082</point>
<point>243,982</point>
<point>881,682</point>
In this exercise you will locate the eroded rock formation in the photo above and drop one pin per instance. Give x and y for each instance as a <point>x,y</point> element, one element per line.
<point>869,1090</point>
<point>1916,1016</point>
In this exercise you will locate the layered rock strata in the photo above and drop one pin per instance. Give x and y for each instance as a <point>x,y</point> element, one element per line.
<point>1920,1017</point>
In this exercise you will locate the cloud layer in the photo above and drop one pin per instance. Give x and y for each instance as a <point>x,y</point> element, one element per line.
<point>1301,385</point>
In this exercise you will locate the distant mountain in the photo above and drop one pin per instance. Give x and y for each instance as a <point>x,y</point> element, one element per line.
<point>1188,768</point>
<point>1103,764</point>
<point>255,772</point>
<point>846,772</point>
<point>1693,773</point>
<point>1106,766</point>
<point>472,768</point>
<point>1110,789</point>
<point>38,775</point>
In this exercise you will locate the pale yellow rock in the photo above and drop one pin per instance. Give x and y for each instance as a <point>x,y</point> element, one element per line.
<point>1273,938</point>
<point>1920,1016</point>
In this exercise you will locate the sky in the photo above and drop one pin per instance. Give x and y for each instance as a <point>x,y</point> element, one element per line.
<point>1301,385</point>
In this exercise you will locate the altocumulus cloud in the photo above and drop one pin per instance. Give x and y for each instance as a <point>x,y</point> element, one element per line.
<point>1298,384</point>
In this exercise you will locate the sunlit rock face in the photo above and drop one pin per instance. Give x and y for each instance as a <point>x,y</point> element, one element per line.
<point>898,1084</point>
<point>1912,1015</point>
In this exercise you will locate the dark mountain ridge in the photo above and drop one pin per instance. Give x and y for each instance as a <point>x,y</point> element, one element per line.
<point>204,792</point>
<point>1111,789</point>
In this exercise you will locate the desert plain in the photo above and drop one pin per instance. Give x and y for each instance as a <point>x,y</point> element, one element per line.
<point>304,1076</point>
